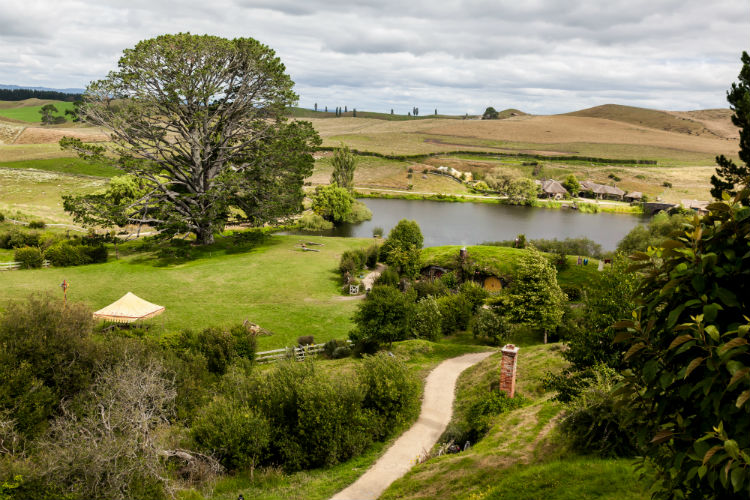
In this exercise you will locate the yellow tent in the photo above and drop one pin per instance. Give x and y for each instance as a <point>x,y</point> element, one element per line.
<point>128,309</point>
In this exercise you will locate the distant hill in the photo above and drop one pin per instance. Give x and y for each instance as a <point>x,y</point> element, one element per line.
<point>309,113</point>
<point>684,123</point>
<point>509,113</point>
<point>47,89</point>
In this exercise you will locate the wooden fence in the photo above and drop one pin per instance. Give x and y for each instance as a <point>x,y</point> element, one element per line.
<point>298,353</point>
<point>12,266</point>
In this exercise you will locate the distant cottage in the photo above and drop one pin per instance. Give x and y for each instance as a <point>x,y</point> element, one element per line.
<point>553,189</point>
<point>602,191</point>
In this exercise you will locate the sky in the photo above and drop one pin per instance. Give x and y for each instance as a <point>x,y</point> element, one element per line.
<point>456,56</point>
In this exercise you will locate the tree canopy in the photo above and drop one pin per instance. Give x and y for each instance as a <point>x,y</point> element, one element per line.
<point>200,122</point>
<point>729,175</point>
<point>490,114</point>
<point>344,163</point>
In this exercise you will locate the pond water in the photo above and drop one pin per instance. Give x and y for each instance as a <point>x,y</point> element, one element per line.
<point>446,223</point>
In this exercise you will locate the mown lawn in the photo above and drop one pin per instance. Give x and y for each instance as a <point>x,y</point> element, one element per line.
<point>274,284</point>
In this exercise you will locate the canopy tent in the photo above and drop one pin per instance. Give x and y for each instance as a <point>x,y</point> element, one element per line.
<point>128,309</point>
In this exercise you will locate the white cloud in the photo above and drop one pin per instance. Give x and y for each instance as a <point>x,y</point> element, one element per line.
<point>541,56</point>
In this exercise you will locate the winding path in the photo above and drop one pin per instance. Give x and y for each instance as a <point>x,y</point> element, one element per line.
<point>437,409</point>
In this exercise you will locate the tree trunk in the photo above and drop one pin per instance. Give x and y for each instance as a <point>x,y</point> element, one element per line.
<point>545,336</point>
<point>204,236</point>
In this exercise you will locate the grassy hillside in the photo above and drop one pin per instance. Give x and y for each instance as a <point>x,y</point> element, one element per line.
<point>74,166</point>
<point>309,113</point>
<point>651,118</point>
<point>521,457</point>
<point>29,112</point>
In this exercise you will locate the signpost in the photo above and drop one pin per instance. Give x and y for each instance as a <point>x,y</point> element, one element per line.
<point>64,285</point>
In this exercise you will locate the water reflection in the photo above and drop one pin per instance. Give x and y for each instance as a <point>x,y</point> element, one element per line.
<point>445,223</point>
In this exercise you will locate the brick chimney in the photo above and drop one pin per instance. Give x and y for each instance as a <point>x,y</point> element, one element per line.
<point>508,370</point>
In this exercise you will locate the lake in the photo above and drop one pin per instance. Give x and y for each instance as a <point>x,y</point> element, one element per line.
<point>446,223</point>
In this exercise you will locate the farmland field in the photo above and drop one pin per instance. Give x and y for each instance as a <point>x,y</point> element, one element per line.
<point>30,114</point>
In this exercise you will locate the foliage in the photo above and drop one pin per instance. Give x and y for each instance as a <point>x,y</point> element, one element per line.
<point>689,357</point>
<point>427,320</point>
<point>500,178</point>
<point>358,213</point>
<point>522,191</point>
<point>67,253</point>
<point>47,111</point>
<point>108,446</point>
<point>372,255</point>
<point>572,185</point>
<point>660,227</point>
<point>200,121</point>
<point>344,163</point>
<point>490,114</point>
<point>16,238</point>
<point>533,298</point>
<point>405,234</point>
<point>594,422</point>
<point>391,392</point>
<point>220,347</point>
<point>377,232</point>
<point>455,311</point>
<point>384,315</point>
<point>491,326</point>
<point>47,356</point>
<point>314,222</point>
<point>473,293</point>
<point>480,412</point>
<point>430,288</point>
<point>405,259</point>
<point>388,277</point>
<point>333,203</point>
<point>730,177</point>
<point>29,257</point>
<point>37,224</point>
<point>233,433</point>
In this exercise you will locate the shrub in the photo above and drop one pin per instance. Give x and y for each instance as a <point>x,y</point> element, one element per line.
<point>666,184</point>
<point>560,261</point>
<point>347,264</point>
<point>481,411</point>
<point>314,222</point>
<point>474,294</point>
<point>573,292</point>
<point>219,347</point>
<point>305,340</point>
<point>450,280</point>
<point>405,235</point>
<point>63,254</point>
<point>391,392</point>
<point>359,213</point>
<point>388,277</point>
<point>15,238</point>
<point>493,327</point>
<point>427,320</point>
<point>37,224</point>
<point>594,422</point>
<point>384,315</point>
<point>29,257</point>
<point>456,313</point>
<point>430,288</point>
<point>2,217</point>
<point>377,232</point>
<point>341,352</point>
<point>333,203</point>
<point>372,255</point>
<point>233,433</point>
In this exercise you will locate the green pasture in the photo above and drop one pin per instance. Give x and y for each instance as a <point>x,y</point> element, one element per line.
<point>274,284</point>
<point>31,114</point>
<point>64,165</point>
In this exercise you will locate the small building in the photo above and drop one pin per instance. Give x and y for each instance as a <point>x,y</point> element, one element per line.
<point>553,189</point>
<point>434,272</point>
<point>634,196</point>
<point>602,191</point>
<point>696,206</point>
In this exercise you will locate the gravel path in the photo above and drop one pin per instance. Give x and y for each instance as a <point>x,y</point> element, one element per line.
<point>437,409</point>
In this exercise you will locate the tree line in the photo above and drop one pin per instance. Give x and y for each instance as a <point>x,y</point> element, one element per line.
<point>22,94</point>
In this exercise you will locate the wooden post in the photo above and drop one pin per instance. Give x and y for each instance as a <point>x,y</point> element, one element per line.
<point>508,369</point>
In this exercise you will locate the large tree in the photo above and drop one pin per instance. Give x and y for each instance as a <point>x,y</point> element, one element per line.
<point>729,175</point>
<point>344,163</point>
<point>200,123</point>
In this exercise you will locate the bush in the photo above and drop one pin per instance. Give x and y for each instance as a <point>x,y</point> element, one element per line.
<point>2,217</point>
<point>233,433</point>
<point>430,288</point>
<point>341,352</point>
<point>358,213</point>
<point>15,238</point>
<point>666,184</point>
<point>219,347</point>
<point>474,294</point>
<point>333,203</point>
<point>450,280</point>
<point>63,254</point>
<point>305,340</point>
<point>29,257</point>
<point>388,277</point>
<point>594,422</point>
<point>391,392</point>
<point>427,321</point>
<point>95,253</point>
<point>372,255</point>
<point>314,222</point>
<point>352,261</point>
<point>37,224</point>
<point>573,292</point>
<point>384,315</point>
<point>491,326</point>
<point>560,261</point>
<point>480,413</point>
<point>377,232</point>
<point>456,313</point>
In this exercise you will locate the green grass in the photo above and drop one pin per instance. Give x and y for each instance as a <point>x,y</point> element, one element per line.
<point>501,261</point>
<point>577,479</point>
<point>275,284</point>
<point>31,114</point>
<point>75,166</point>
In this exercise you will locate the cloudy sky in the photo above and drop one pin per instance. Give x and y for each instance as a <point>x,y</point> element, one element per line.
<point>541,56</point>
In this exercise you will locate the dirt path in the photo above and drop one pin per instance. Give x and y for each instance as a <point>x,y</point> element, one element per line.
<point>437,409</point>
